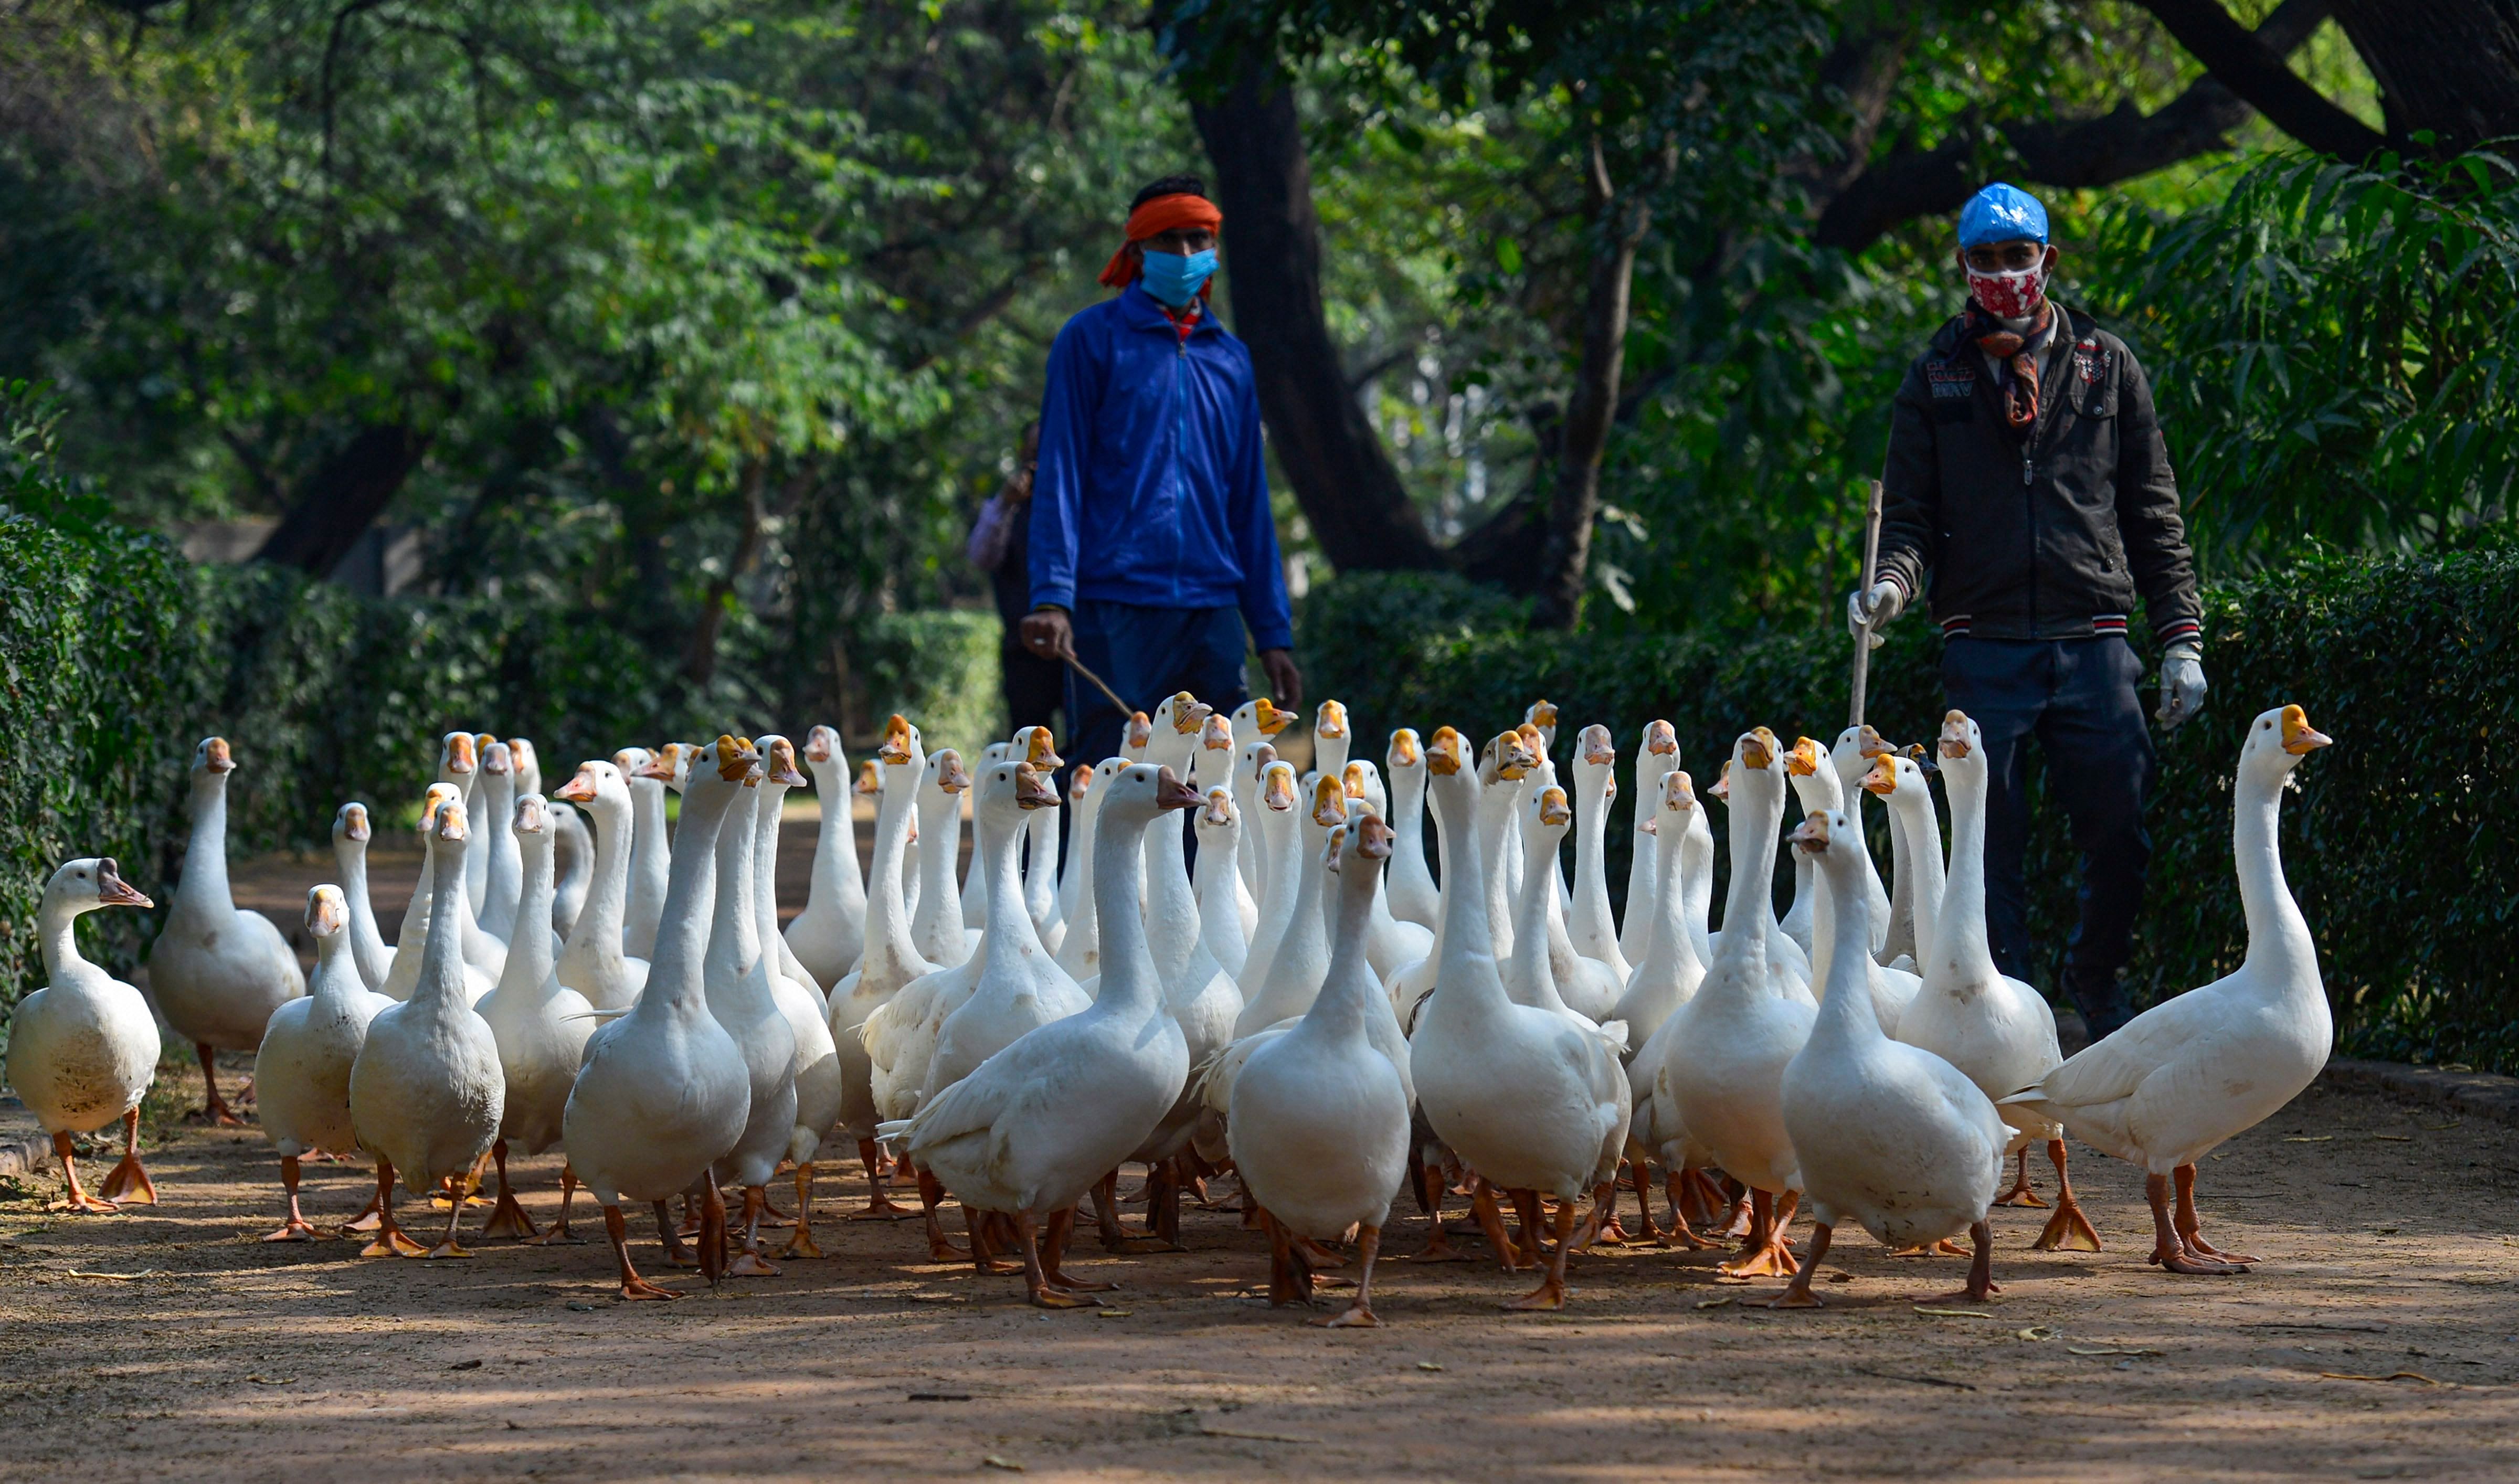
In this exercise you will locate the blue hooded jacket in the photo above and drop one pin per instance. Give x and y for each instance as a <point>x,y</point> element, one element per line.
<point>1152,487</point>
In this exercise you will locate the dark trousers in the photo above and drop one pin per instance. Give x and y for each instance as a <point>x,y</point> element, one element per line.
<point>1146,654</point>
<point>2077,696</point>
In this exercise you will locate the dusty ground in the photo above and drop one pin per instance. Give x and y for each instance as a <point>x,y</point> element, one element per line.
<point>2384,1226</point>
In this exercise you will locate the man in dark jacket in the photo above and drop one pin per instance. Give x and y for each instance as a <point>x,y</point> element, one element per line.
<point>1151,546</point>
<point>2027,481</point>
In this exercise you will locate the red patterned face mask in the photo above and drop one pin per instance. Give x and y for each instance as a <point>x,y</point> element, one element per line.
<point>2009,295</point>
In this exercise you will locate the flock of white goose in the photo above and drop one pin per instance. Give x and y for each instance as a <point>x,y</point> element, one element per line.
<point>1312,1007</point>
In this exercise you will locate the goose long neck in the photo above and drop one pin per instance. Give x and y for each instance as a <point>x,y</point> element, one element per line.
<point>607,897</point>
<point>205,886</point>
<point>56,935</point>
<point>2281,950</point>
<point>674,984</point>
<point>330,984</point>
<point>888,923</point>
<point>1339,1008</point>
<point>940,842</point>
<point>1075,887</point>
<point>1674,946</point>
<point>1010,929</point>
<point>1537,904</point>
<point>1040,882</point>
<point>1959,944</point>
<point>1466,932</point>
<point>835,853</point>
<point>1925,860</point>
<point>1846,1012</point>
<point>1119,875</point>
<point>366,941</point>
<point>529,955</point>
<point>1748,905</point>
<point>734,940</point>
<point>441,964</point>
<point>763,883</point>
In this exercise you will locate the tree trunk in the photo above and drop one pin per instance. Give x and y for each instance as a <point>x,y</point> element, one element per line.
<point>343,497</point>
<point>2448,66</point>
<point>1565,558</point>
<point>1350,493</point>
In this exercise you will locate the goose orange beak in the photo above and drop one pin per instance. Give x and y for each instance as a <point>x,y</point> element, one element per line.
<point>1883,779</point>
<point>1189,713</point>
<point>1870,744</point>
<point>1352,779</point>
<point>1405,752</point>
<point>1444,753</point>
<point>1374,838</point>
<point>1141,730</point>
<point>1330,720</point>
<point>1811,835</point>
<point>452,826</point>
<point>869,778</point>
<point>1662,738</point>
<point>1542,715</point>
<point>1278,792</point>
<point>780,765</point>
<point>1268,719</point>
<point>354,822</point>
<point>950,775</point>
<point>1722,789</point>
<point>1220,807</point>
<point>1553,811</point>
<point>114,891</point>
<point>1757,748</point>
<point>581,788</point>
<point>1678,791</point>
<point>818,744</point>
<point>1329,802</point>
<point>2299,738</point>
<point>896,741</point>
<point>460,756</point>
<point>1080,782</point>
<point>326,911</point>
<point>1803,759</point>
<point>734,757</point>
<point>1955,740</point>
<point>1597,748</point>
<point>1032,790</point>
<point>532,814</point>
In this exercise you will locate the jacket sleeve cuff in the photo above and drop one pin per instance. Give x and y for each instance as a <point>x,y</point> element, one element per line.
<point>1272,637</point>
<point>1054,596</point>
<point>2172,630</point>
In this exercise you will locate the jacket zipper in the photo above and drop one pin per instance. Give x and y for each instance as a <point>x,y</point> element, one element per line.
<point>2029,464</point>
<point>1180,416</point>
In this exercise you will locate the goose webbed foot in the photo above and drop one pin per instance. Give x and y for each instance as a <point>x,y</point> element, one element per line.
<point>1764,1252</point>
<point>127,1182</point>
<point>1797,1295</point>
<point>1980,1279</point>
<point>800,1239</point>
<point>2021,1194</point>
<point>2189,1229</point>
<point>633,1286</point>
<point>1358,1314</point>
<point>1552,1290</point>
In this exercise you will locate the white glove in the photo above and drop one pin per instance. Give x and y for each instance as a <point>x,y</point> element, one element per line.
<point>1889,601</point>
<point>2182,683</point>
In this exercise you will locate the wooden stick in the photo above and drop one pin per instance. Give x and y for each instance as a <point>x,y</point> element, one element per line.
<point>1870,575</point>
<point>1099,685</point>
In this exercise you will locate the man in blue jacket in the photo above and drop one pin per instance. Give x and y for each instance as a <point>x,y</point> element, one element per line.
<point>1152,547</point>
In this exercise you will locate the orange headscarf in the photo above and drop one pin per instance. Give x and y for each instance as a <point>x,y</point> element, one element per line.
<point>1164,213</point>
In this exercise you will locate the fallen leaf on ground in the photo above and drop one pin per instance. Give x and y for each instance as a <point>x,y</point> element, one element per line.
<point>121,1276</point>
<point>1712,1303</point>
<point>993,1461</point>
<point>1254,1436</point>
<point>2312,1139</point>
<point>2392,1375</point>
<point>2109,1350</point>
<point>271,1380</point>
<point>1113,1313</point>
<point>1954,1313</point>
<point>1428,1365</point>
<point>2034,1332</point>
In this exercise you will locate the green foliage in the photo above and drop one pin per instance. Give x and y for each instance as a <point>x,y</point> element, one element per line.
<point>940,669</point>
<point>2392,842</point>
<point>2334,348</point>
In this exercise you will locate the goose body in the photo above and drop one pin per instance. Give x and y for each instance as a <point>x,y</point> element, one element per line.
<point>1814,779</point>
<point>1300,959</point>
<point>1545,969</point>
<point>426,1091</point>
<point>83,1049</point>
<point>303,1070</point>
<point>665,1091</point>
<point>2181,1078</point>
<point>1884,1134</point>
<point>1916,904</point>
<point>815,1069</point>
<point>936,926</point>
<point>216,971</point>
<point>736,974</point>
<point>829,935</point>
<point>1671,972</point>
<point>891,963</point>
<point>402,970</point>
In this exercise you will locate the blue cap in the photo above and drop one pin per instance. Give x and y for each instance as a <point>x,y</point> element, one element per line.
<point>2002,213</point>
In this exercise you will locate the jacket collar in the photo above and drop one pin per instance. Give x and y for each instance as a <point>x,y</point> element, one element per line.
<point>1948,342</point>
<point>1142,311</point>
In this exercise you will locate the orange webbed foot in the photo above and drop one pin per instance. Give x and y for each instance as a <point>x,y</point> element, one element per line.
<point>392,1245</point>
<point>293,1230</point>
<point>751,1265</point>
<point>128,1184</point>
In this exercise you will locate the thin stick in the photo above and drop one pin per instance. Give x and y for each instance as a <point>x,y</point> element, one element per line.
<point>1099,683</point>
<point>1870,575</point>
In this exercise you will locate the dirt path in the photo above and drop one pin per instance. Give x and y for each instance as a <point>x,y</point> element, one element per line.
<point>2387,1230</point>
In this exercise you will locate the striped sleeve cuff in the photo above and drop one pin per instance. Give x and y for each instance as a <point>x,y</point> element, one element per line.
<point>2177,628</point>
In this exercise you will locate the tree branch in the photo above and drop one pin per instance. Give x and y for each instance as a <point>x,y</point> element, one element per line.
<point>2098,151</point>
<point>2245,65</point>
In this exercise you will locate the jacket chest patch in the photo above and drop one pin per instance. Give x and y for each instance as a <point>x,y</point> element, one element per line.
<point>1951,380</point>
<point>2090,362</point>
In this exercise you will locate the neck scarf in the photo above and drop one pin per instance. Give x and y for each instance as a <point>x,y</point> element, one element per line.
<point>2019,351</point>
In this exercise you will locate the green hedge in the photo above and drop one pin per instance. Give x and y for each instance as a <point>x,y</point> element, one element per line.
<point>941,669</point>
<point>2391,843</point>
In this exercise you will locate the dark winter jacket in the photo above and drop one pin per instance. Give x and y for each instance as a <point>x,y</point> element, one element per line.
<point>2052,536</point>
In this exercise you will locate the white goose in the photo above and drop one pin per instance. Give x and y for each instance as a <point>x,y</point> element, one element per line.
<point>1666,979</point>
<point>402,970</point>
<point>1280,855</point>
<point>1410,885</point>
<point>1032,745</point>
<point>1988,1024</point>
<point>1657,755</point>
<point>1031,1129</point>
<point>936,924</point>
<point>538,1026</point>
<point>368,949</point>
<point>974,876</point>
<point>735,977</point>
<point>829,935</point>
<point>459,761</point>
<point>1505,779</point>
<point>303,1068</point>
<point>426,1091</point>
<point>216,971</point>
<point>83,1049</point>
<point>1512,1089</point>
<point>496,804</point>
<point>817,1073</point>
<point>1545,970</point>
<point>650,849</point>
<point>664,1092</point>
<point>1213,770</point>
<point>1317,1120</point>
<point>1886,1134</point>
<point>1217,883</point>
<point>1590,927</point>
<point>1851,756</point>
<point>576,850</point>
<point>1815,785</point>
<point>1916,902</point>
<point>1787,968</point>
<point>1254,722</point>
<point>1724,1063</point>
<point>2209,1065</point>
<point>1332,737</point>
<point>1301,957</point>
<point>1390,943</point>
<point>596,962</point>
<point>890,962</point>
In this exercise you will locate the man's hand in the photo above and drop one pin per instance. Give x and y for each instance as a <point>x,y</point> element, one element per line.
<point>1285,681</point>
<point>1887,602</point>
<point>2181,685</point>
<point>1047,633</point>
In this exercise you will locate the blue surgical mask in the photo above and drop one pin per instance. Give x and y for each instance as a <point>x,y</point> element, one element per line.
<point>1175,280</point>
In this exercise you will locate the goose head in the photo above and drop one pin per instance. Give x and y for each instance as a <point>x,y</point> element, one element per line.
<point>496,761</point>
<point>1444,753</point>
<point>1514,753</point>
<point>1033,789</point>
<point>1186,712</point>
<point>823,746</point>
<point>458,757</point>
<point>350,823</point>
<point>1136,735</point>
<point>1215,746</point>
<point>1721,792</point>
<point>1035,744</point>
<point>600,788</point>
<point>779,761</point>
<point>992,754</point>
<point>1826,839</point>
<point>1107,769</point>
<point>869,779</point>
<point>1594,748</point>
<point>633,762</point>
<point>1961,747</point>
<point>1678,798</point>
<point>1550,813</point>
<point>451,825</point>
<point>1370,840</point>
<point>1141,791</point>
<point>1364,784</point>
<point>328,912</point>
<point>84,885</point>
<point>528,764</point>
<point>1802,758</point>
<point>1329,802</point>
<point>899,745</point>
<point>2277,741</point>
<point>212,761</point>
<point>1542,715</point>
<point>1661,739</point>
<point>1078,784</point>
<point>1218,814</point>
<point>1259,717</point>
<point>533,816</point>
<point>1406,752</point>
<point>945,775</point>
<point>1882,780</point>
<point>1277,788</point>
<point>1330,722</point>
